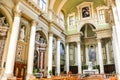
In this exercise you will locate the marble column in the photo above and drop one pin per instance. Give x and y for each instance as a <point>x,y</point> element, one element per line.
<point>41,66</point>
<point>117,23</point>
<point>58,56</point>
<point>97,56</point>
<point>86,52</point>
<point>50,51</point>
<point>31,51</point>
<point>79,58</point>
<point>9,66</point>
<point>108,54</point>
<point>67,57</point>
<point>116,39</point>
<point>100,56</point>
<point>76,56</point>
<point>116,53</point>
<point>118,8</point>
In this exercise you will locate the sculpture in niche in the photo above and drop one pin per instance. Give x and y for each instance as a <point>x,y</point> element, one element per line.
<point>92,54</point>
<point>85,12</point>
<point>37,36</point>
<point>22,33</point>
<point>2,21</point>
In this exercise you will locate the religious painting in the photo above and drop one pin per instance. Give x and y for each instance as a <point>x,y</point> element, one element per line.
<point>85,12</point>
<point>92,54</point>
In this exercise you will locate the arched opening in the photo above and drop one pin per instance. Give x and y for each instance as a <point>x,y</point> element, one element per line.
<point>88,30</point>
<point>89,44</point>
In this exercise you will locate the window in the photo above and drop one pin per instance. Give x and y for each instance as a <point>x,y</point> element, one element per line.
<point>101,12</point>
<point>62,19</point>
<point>42,4</point>
<point>71,20</point>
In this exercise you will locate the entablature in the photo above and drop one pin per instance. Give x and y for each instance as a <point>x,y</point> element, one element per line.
<point>73,37</point>
<point>104,33</point>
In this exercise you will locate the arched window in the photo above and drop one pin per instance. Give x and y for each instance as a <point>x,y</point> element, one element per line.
<point>62,19</point>
<point>42,4</point>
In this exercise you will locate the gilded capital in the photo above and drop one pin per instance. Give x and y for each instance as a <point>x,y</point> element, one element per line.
<point>78,42</point>
<point>50,33</point>
<point>18,13</point>
<point>58,38</point>
<point>99,39</point>
<point>34,23</point>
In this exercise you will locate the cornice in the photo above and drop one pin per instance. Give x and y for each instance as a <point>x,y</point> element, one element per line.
<point>56,25</point>
<point>73,37</point>
<point>97,30</point>
<point>44,19</point>
<point>78,33</point>
<point>104,33</point>
<point>30,4</point>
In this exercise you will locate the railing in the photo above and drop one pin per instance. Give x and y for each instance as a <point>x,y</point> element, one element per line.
<point>81,77</point>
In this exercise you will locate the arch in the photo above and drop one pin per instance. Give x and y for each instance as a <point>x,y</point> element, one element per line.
<point>60,6</point>
<point>51,4</point>
<point>81,24</point>
<point>43,34</point>
<point>88,30</point>
<point>92,25</point>
<point>9,20</point>
<point>7,14</point>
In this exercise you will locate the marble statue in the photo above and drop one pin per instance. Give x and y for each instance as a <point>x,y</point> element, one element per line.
<point>22,33</point>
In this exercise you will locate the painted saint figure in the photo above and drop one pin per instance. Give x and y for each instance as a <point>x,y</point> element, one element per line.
<point>92,54</point>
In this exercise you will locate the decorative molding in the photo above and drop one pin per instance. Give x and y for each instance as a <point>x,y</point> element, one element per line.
<point>30,4</point>
<point>105,33</point>
<point>73,37</point>
<point>89,41</point>
<point>3,31</point>
<point>83,5</point>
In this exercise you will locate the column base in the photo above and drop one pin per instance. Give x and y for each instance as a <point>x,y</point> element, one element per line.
<point>30,76</point>
<point>8,76</point>
<point>118,76</point>
<point>48,76</point>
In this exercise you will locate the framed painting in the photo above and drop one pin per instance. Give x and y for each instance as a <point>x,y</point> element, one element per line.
<point>85,12</point>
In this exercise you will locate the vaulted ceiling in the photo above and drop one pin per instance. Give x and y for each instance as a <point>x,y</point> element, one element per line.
<point>68,6</point>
